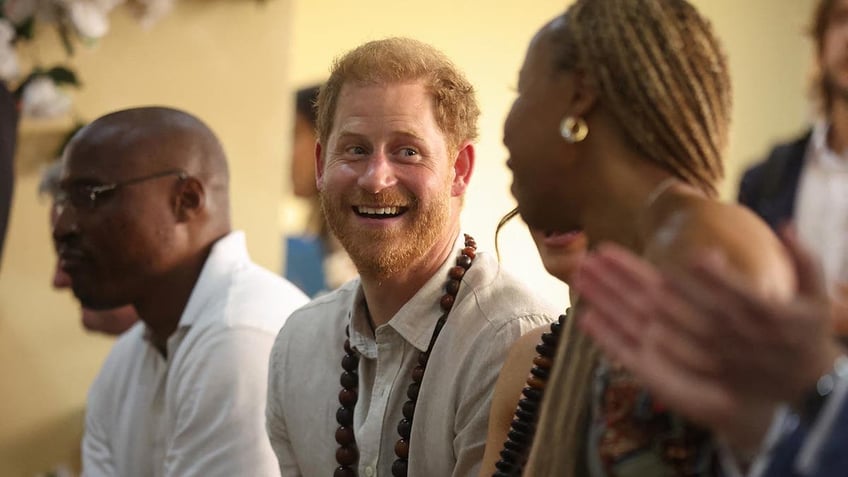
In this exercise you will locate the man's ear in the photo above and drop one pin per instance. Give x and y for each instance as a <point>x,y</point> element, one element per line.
<point>319,166</point>
<point>190,199</point>
<point>463,167</point>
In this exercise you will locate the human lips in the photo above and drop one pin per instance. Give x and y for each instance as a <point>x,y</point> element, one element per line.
<point>553,238</point>
<point>70,258</point>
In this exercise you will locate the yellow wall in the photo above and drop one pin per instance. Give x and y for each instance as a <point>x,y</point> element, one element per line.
<point>225,61</point>
<point>768,57</point>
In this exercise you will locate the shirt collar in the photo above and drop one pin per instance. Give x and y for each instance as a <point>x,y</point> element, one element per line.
<point>414,322</point>
<point>822,155</point>
<point>226,255</point>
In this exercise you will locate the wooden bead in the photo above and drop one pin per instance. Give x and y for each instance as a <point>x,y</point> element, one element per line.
<point>518,437</point>
<point>504,466</point>
<point>404,428</point>
<point>349,380</point>
<point>350,362</point>
<point>412,391</point>
<point>347,455</point>
<point>409,409</point>
<point>344,416</point>
<point>345,436</point>
<point>469,252</point>
<point>399,468</point>
<point>536,383</point>
<point>549,339</point>
<point>452,287</point>
<point>447,302</point>
<point>423,358</point>
<point>532,393</point>
<point>463,261</point>
<point>510,456</point>
<point>540,373</point>
<point>344,471</point>
<point>418,374</point>
<point>348,349</point>
<point>524,415</point>
<point>545,350</point>
<point>528,405</point>
<point>402,449</point>
<point>523,427</point>
<point>543,362</point>
<point>347,397</point>
<point>456,273</point>
<point>513,446</point>
<point>556,327</point>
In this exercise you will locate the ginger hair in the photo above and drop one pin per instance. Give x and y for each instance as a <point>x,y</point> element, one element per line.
<point>399,60</point>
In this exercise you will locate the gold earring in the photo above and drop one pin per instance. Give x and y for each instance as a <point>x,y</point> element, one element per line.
<point>573,130</point>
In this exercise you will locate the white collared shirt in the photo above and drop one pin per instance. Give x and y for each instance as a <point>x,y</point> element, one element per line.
<point>449,429</point>
<point>200,411</point>
<point>821,206</point>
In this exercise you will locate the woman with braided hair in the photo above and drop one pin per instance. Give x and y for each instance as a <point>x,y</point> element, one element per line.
<point>619,131</point>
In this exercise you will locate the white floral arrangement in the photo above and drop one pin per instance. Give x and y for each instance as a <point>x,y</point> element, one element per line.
<point>40,91</point>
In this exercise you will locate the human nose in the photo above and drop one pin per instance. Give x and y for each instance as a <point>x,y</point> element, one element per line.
<point>64,221</point>
<point>379,174</point>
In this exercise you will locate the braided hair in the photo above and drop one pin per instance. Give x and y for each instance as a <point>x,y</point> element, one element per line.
<point>662,73</point>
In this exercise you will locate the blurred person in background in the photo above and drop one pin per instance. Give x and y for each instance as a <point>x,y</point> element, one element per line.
<point>315,260</point>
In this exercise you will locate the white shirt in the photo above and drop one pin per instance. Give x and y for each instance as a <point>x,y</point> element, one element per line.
<point>821,206</point>
<point>449,429</point>
<point>200,411</point>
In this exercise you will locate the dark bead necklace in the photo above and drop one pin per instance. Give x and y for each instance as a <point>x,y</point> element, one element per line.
<point>347,455</point>
<point>520,437</point>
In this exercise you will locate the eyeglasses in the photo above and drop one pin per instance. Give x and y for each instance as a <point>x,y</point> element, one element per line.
<point>85,196</point>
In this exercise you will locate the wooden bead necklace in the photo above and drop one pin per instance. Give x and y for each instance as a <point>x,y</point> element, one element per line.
<point>347,455</point>
<point>516,449</point>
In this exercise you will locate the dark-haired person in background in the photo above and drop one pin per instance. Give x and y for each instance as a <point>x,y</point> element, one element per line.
<point>806,180</point>
<point>315,260</point>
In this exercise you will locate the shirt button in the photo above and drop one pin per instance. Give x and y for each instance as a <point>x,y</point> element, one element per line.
<point>369,471</point>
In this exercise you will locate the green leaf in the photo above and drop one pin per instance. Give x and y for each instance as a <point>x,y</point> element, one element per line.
<point>25,30</point>
<point>62,75</point>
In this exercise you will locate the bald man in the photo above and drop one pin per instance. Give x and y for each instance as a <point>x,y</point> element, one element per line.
<point>144,220</point>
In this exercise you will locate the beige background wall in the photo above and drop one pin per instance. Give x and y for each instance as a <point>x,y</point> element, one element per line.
<point>223,60</point>
<point>235,64</point>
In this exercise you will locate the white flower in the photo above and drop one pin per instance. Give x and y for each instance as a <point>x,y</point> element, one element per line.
<point>9,68</point>
<point>89,18</point>
<point>42,99</point>
<point>7,32</point>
